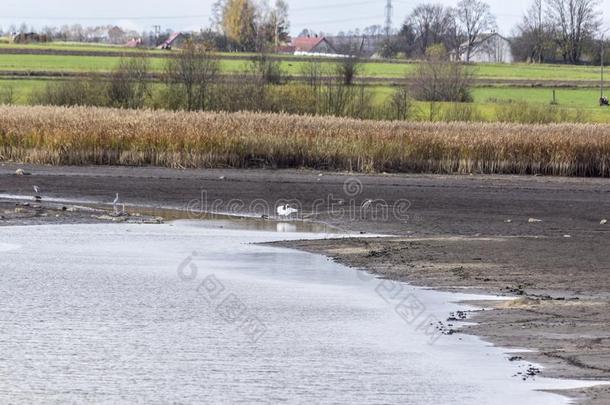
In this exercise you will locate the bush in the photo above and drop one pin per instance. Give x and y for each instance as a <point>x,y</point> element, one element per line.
<point>293,99</point>
<point>129,85</point>
<point>530,113</point>
<point>438,79</point>
<point>399,106</point>
<point>348,68</point>
<point>237,95</point>
<point>266,69</point>
<point>7,95</point>
<point>190,76</point>
<point>456,112</point>
<point>71,93</point>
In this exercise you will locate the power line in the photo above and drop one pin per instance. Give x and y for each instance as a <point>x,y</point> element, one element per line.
<point>337,5</point>
<point>338,21</point>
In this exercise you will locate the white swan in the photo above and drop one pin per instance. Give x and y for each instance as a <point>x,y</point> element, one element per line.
<point>286,210</point>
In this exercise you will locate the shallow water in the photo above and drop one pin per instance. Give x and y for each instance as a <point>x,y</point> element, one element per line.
<point>194,313</point>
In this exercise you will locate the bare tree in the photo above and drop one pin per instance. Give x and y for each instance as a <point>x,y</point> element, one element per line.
<point>312,72</point>
<point>431,23</point>
<point>348,68</point>
<point>533,35</point>
<point>266,70</point>
<point>277,20</point>
<point>350,65</point>
<point>400,105</point>
<point>129,83</point>
<point>406,39</point>
<point>191,74</point>
<point>474,17</point>
<point>438,79</point>
<point>576,22</point>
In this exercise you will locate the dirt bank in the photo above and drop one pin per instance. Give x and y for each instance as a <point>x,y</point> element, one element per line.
<point>541,239</point>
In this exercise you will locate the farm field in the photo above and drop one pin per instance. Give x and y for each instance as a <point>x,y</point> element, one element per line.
<point>500,83</point>
<point>73,46</point>
<point>91,63</point>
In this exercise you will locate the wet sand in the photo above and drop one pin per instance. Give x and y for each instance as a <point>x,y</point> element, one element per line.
<point>540,239</point>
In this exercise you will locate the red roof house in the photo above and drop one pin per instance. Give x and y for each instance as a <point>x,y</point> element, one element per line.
<point>313,44</point>
<point>134,43</point>
<point>174,41</point>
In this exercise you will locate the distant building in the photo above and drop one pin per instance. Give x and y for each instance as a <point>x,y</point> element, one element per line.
<point>286,49</point>
<point>312,45</point>
<point>490,48</point>
<point>364,46</point>
<point>29,37</point>
<point>134,43</point>
<point>175,40</point>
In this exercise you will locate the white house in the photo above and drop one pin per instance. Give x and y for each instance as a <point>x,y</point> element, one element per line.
<point>490,48</point>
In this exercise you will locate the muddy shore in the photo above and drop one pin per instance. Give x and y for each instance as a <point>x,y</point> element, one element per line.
<point>543,240</point>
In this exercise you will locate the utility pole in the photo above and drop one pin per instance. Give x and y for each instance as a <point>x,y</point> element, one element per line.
<point>388,18</point>
<point>157,29</point>
<point>276,35</point>
<point>601,82</point>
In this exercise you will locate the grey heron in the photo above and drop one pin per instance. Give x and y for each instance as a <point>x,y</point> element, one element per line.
<point>37,196</point>
<point>115,202</point>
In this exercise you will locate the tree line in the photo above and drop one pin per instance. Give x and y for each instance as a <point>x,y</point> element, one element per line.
<point>550,31</point>
<point>559,30</point>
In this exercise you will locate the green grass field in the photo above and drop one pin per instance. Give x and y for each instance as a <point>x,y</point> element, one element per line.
<point>75,46</point>
<point>63,63</point>
<point>58,63</point>
<point>486,99</point>
<point>565,97</point>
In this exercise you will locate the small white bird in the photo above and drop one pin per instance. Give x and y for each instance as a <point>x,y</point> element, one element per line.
<point>286,210</point>
<point>115,202</point>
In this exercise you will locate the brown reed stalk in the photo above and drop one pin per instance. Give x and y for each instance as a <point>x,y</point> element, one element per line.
<point>101,136</point>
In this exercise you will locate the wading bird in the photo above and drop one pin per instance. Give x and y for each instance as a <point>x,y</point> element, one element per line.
<point>115,202</point>
<point>286,210</point>
<point>37,196</point>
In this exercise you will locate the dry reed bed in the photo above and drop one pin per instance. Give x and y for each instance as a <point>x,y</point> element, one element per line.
<point>84,135</point>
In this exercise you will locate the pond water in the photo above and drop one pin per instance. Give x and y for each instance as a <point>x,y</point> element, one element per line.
<point>193,312</point>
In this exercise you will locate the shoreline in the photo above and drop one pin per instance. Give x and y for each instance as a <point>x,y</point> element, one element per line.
<point>494,322</point>
<point>561,314</point>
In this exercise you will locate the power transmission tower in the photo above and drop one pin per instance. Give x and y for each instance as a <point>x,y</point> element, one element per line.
<point>157,29</point>
<point>388,17</point>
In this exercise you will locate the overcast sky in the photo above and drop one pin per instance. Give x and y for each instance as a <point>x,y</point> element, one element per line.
<point>328,16</point>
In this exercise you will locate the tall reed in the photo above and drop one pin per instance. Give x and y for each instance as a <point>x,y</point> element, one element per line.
<point>101,136</point>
